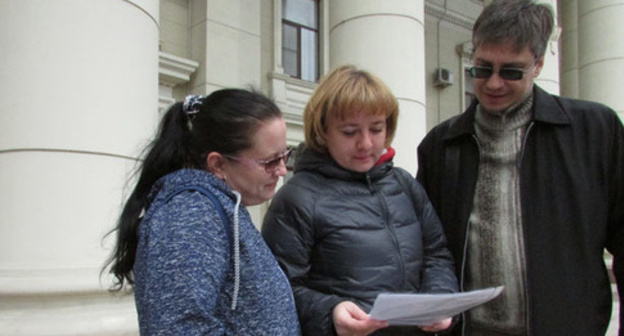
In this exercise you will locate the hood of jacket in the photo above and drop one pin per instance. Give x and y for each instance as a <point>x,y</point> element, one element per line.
<point>172,182</point>
<point>187,179</point>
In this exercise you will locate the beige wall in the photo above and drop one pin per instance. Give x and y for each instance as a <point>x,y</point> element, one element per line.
<point>442,39</point>
<point>448,27</point>
<point>174,36</point>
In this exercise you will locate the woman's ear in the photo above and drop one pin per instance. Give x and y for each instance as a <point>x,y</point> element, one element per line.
<point>216,164</point>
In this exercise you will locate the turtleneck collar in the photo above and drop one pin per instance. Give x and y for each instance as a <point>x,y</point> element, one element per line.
<point>512,118</point>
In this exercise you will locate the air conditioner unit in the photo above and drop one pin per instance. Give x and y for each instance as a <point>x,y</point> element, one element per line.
<point>443,77</point>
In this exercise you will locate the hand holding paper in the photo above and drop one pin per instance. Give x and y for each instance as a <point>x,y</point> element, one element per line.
<point>349,319</point>
<point>425,309</point>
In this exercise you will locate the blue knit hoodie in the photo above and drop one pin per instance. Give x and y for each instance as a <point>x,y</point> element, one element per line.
<point>186,266</point>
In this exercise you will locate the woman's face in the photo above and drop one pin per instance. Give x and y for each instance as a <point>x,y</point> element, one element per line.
<point>248,172</point>
<point>356,142</point>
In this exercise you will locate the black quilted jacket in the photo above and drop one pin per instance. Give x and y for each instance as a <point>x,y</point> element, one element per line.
<point>341,235</point>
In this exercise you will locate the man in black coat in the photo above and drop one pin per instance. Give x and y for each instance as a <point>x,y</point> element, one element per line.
<point>529,187</point>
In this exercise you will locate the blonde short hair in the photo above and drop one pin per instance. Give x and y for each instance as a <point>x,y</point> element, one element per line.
<point>342,93</point>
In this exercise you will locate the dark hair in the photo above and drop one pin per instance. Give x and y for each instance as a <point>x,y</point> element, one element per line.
<point>519,22</point>
<point>224,122</point>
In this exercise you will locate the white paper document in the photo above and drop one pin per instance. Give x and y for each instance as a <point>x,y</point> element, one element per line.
<point>425,309</point>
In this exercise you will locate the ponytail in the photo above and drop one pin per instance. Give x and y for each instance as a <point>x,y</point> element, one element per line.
<point>165,154</point>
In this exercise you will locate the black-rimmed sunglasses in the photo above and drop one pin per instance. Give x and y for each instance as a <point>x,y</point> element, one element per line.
<point>504,73</point>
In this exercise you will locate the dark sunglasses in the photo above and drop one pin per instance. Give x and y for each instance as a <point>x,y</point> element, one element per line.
<point>504,73</point>
<point>271,165</point>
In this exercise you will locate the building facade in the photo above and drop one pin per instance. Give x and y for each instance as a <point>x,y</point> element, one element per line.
<point>83,84</point>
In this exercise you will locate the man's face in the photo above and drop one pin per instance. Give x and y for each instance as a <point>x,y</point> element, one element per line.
<point>495,93</point>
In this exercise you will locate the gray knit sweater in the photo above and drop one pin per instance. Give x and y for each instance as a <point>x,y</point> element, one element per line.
<point>496,247</point>
<point>185,270</point>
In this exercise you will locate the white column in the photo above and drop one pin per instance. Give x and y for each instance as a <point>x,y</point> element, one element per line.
<point>225,40</point>
<point>549,76</point>
<point>569,48</point>
<point>78,98</point>
<point>387,39</point>
<point>601,52</point>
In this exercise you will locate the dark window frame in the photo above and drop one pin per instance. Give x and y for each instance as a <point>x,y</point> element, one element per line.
<point>299,28</point>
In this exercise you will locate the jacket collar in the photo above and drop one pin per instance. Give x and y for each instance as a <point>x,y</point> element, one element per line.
<point>323,164</point>
<point>545,108</point>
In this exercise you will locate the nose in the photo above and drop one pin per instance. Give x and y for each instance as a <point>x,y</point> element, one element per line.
<point>366,140</point>
<point>495,81</point>
<point>281,170</point>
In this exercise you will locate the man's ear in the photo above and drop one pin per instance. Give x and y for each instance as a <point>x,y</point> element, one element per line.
<point>215,162</point>
<point>538,66</point>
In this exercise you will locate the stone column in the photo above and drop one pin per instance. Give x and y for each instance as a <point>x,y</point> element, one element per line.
<point>78,99</point>
<point>387,39</point>
<point>601,52</point>
<point>569,48</point>
<point>549,76</point>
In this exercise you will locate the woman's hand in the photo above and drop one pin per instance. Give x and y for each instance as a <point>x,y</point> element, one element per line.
<point>438,326</point>
<point>351,320</point>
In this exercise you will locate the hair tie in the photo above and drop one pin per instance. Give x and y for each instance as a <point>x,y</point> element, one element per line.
<point>191,105</point>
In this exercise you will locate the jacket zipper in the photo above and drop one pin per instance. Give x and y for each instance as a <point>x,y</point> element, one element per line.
<point>463,265</point>
<point>525,247</point>
<point>390,228</point>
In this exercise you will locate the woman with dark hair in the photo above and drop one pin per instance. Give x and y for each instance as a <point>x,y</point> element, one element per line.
<point>185,245</point>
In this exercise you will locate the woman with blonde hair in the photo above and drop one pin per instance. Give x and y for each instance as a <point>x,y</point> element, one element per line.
<point>349,225</point>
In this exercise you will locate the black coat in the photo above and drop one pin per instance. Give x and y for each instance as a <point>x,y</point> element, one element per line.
<point>341,235</point>
<point>572,196</point>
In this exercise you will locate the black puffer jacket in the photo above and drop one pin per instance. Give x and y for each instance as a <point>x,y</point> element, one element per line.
<point>341,235</point>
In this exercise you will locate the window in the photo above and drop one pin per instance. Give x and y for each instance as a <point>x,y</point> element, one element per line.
<point>300,38</point>
<point>469,94</point>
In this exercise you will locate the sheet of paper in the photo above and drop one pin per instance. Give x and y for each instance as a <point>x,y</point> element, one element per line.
<point>425,309</point>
